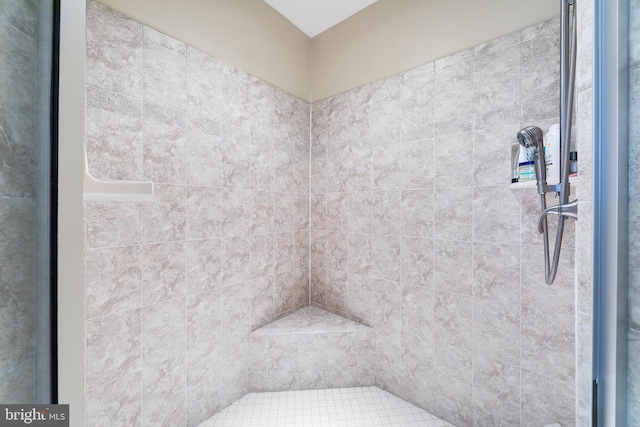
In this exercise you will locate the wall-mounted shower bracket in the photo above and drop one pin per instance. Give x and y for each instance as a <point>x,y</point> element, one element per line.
<point>569,210</point>
<point>549,188</point>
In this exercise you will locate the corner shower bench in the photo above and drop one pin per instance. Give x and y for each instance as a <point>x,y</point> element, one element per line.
<point>312,349</point>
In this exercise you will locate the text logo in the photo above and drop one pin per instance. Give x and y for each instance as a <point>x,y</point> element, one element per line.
<point>34,415</point>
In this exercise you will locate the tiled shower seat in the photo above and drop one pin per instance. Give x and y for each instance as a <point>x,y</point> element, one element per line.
<point>312,349</point>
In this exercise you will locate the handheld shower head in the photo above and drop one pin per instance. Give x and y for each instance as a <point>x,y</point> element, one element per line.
<point>531,137</point>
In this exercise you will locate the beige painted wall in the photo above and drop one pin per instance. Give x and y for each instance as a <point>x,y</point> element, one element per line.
<point>386,38</point>
<point>391,36</point>
<point>248,34</point>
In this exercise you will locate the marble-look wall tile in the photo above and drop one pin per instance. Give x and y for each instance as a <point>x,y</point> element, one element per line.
<point>337,254</point>
<point>491,155</point>
<point>417,311</point>
<point>116,403</point>
<point>163,393</point>
<point>164,272</point>
<point>387,167</point>
<point>236,308</point>
<point>112,223</point>
<point>114,280</point>
<point>113,347</point>
<point>546,400</point>
<point>496,331</point>
<point>360,167</point>
<point>235,260</point>
<point>496,271</point>
<point>165,218</point>
<point>385,258</point>
<point>261,255</point>
<point>448,151</point>
<point>417,164</point>
<point>261,213</point>
<point>417,213</point>
<point>163,327</point>
<point>453,266</point>
<point>204,265</point>
<point>204,317</point>
<point>585,53</point>
<point>204,216</point>
<point>165,134</point>
<point>387,297</point>
<point>494,382</point>
<point>453,92</point>
<point>336,288</point>
<point>453,319</point>
<point>262,167</point>
<point>236,161</point>
<point>262,309</point>
<point>359,296</point>
<point>453,213</point>
<point>453,383</point>
<point>114,135</point>
<point>236,212</point>
<point>541,68</point>
<point>497,80</point>
<point>203,394</point>
<point>584,133</point>
<point>387,217</point>
<point>496,215</point>
<point>337,214</point>
<point>548,345</point>
<point>204,84</point>
<point>417,96</point>
<point>114,50</point>
<point>416,261</point>
<point>360,212</point>
<point>164,69</point>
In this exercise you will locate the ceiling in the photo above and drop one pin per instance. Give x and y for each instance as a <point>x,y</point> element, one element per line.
<point>315,16</point>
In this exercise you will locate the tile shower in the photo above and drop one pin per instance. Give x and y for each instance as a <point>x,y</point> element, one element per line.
<point>413,232</point>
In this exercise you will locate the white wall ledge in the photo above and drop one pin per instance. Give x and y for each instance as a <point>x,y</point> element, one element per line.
<point>116,191</point>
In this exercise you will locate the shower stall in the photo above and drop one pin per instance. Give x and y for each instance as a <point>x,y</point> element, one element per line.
<point>371,238</point>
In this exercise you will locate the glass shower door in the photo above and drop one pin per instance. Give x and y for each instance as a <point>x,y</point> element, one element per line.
<point>633,307</point>
<point>26,273</point>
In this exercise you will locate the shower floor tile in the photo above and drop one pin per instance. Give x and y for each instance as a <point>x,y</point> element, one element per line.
<point>340,407</point>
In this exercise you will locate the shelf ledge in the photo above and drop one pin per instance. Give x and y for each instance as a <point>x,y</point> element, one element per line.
<point>116,191</point>
<point>533,184</point>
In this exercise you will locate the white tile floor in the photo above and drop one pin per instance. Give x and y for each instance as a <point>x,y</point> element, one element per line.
<point>341,407</point>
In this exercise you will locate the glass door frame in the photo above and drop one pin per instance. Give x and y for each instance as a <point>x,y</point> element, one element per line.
<point>611,172</point>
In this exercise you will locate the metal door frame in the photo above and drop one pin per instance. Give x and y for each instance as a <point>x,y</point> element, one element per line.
<point>610,269</point>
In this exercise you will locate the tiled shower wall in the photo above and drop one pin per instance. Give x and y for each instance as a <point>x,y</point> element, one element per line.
<point>416,233</point>
<point>174,285</point>
<point>18,154</point>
